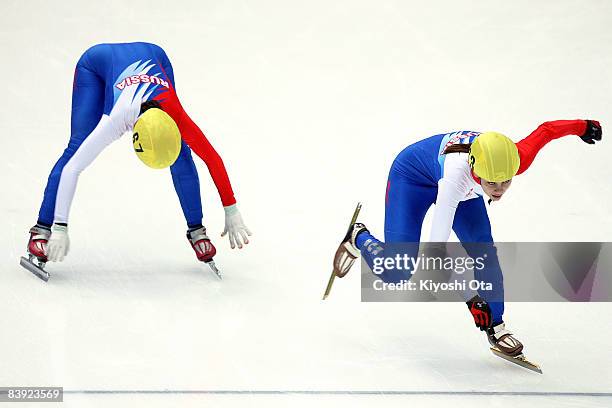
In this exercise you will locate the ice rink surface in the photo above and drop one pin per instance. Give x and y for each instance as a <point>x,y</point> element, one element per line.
<point>308,103</point>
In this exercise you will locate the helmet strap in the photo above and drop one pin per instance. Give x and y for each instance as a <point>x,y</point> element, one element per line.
<point>475,177</point>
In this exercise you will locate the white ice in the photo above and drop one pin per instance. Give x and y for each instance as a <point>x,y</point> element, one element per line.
<point>308,103</point>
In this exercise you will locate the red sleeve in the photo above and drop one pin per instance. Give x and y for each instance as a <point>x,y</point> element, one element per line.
<point>529,147</point>
<point>195,139</point>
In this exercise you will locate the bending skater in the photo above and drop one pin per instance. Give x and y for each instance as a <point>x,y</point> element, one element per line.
<point>118,88</point>
<point>455,171</point>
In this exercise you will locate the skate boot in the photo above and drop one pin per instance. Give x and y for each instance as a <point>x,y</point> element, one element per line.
<point>37,245</point>
<point>504,341</point>
<point>204,249</point>
<point>347,251</point>
<point>37,251</point>
<point>201,244</point>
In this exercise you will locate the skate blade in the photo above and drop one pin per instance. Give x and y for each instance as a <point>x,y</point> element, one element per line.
<point>335,271</point>
<point>35,269</point>
<point>518,360</point>
<point>214,268</point>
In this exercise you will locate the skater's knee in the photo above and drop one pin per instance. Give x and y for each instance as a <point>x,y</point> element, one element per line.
<point>73,169</point>
<point>71,149</point>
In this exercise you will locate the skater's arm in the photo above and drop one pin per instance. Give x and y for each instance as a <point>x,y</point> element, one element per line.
<point>449,196</point>
<point>103,134</point>
<point>235,228</point>
<point>529,147</point>
<point>194,137</point>
<point>452,188</point>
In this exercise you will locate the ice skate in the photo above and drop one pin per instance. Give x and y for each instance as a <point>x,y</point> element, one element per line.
<point>506,346</point>
<point>347,251</point>
<point>504,341</point>
<point>37,252</point>
<point>203,247</point>
<point>213,267</point>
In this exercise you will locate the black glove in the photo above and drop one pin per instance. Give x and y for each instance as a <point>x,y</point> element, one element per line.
<point>481,312</point>
<point>592,133</point>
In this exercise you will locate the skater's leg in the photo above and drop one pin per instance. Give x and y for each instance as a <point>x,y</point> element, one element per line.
<point>406,204</point>
<point>87,107</point>
<point>187,186</point>
<point>473,229</point>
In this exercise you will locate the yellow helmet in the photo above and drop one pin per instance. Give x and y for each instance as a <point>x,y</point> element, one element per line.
<point>494,157</point>
<point>156,139</point>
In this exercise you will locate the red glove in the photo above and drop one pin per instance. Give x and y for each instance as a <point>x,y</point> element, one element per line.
<point>481,312</point>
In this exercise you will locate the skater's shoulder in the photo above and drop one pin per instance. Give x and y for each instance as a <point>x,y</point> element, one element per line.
<point>456,166</point>
<point>456,160</point>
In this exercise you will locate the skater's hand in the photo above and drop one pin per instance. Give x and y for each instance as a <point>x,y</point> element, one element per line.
<point>481,312</point>
<point>59,243</point>
<point>592,132</point>
<point>234,227</point>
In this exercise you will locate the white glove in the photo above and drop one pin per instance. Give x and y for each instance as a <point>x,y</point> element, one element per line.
<point>59,243</point>
<point>235,227</point>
